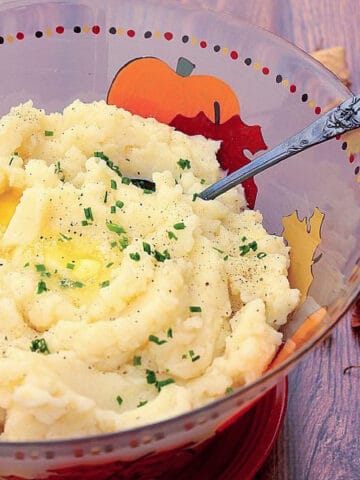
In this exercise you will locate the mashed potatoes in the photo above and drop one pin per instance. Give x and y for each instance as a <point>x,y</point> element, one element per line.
<point>121,306</point>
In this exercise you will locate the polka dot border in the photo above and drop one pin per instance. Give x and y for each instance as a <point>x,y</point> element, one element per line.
<point>170,36</point>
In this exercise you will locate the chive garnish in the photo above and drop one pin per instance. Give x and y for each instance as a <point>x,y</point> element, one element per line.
<point>113,244</point>
<point>64,238</point>
<point>88,214</point>
<point>105,196</point>
<point>243,239</point>
<point>195,196</point>
<point>40,268</point>
<point>134,256</point>
<point>179,226</point>
<point>161,257</point>
<point>141,404</point>
<point>104,284</point>
<point>261,255</point>
<point>147,248</point>
<point>194,308</point>
<point>109,264</point>
<point>119,204</point>
<point>136,361</point>
<point>119,400</point>
<point>48,133</point>
<point>123,242</point>
<point>58,168</point>
<point>113,209</point>
<point>39,345</point>
<point>113,184</point>
<point>126,180</point>
<point>150,377</point>
<point>162,383</point>
<point>171,235</point>
<point>169,333</point>
<point>193,357</point>
<point>108,162</point>
<point>70,284</point>
<point>155,339</point>
<point>70,266</point>
<point>41,287</point>
<point>202,181</point>
<point>229,390</point>
<point>84,223</point>
<point>183,163</point>
<point>11,160</point>
<point>26,264</point>
<point>115,228</point>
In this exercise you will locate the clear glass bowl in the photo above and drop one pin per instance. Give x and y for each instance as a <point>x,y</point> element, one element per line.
<point>54,52</point>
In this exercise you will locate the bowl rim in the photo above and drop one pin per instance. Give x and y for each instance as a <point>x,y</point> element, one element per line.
<point>268,377</point>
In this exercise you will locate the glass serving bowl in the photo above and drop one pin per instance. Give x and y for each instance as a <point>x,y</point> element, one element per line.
<point>56,51</point>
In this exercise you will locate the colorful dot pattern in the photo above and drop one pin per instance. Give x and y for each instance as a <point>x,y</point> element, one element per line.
<point>169,36</point>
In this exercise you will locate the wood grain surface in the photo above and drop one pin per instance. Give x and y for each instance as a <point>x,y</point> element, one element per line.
<point>321,436</point>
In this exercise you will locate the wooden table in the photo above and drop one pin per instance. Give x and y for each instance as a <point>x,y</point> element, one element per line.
<point>321,436</point>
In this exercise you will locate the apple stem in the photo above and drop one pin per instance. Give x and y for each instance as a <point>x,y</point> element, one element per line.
<point>217,113</point>
<point>184,67</point>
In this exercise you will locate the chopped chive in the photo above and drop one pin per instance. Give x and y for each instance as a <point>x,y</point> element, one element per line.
<point>229,390</point>
<point>218,250</point>
<point>113,184</point>
<point>150,377</point>
<point>161,257</point>
<point>106,196</point>
<point>108,162</point>
<point>169,333</point>
<point>226,258</point>
<point>39,345</point>
<point>253,245</point>
<point>109,264</point>
<point>16,153</point>
<point>119,400</point>
<point>113,209</point>
<point>104,284</point>
<point>26,264</point>
<point>70,266</point>
<point>261,255</point>
<point>147,248</point>
<point>195,196</point>
<point>195,308</point>
<point>40,268</point>
<point>115,228</point>
<point>193,357</point>
<point>126,180</point>
<point>183,163</point>
<point>58,168</point>
<point>172,235</point>
<point>11,160</point>
<point>119,204</point>
<point>136,361</point>
<point>244,249</point>
<point>179,226</point>
<point>162,383</point>
<point>155,339</point>
<point>113,244</point>
<point>141,404</point>
<point>64,238</point>
<point>123,242</point>
<point>48,133</point>
<point>243,239</point>
<point>84,223</point>
<point>202,181</point>
<point>41,287</point>
<point>88,214</point>
<point>70,284</point>
<point>147,191</point>
<point>184,356</point>
<point>134,256</point>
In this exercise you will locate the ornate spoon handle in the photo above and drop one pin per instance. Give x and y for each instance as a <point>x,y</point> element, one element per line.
<point>341,119</point>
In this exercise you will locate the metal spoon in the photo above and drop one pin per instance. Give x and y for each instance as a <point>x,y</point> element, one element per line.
<point>341,119</point>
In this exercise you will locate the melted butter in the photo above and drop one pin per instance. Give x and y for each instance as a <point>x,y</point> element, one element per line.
<point>8,203</point>
<point>88,268</point>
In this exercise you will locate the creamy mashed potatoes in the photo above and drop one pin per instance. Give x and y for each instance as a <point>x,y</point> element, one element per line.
<point>120,306</point>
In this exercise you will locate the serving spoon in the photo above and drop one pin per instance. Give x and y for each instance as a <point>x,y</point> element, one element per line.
<point>341,119</point>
